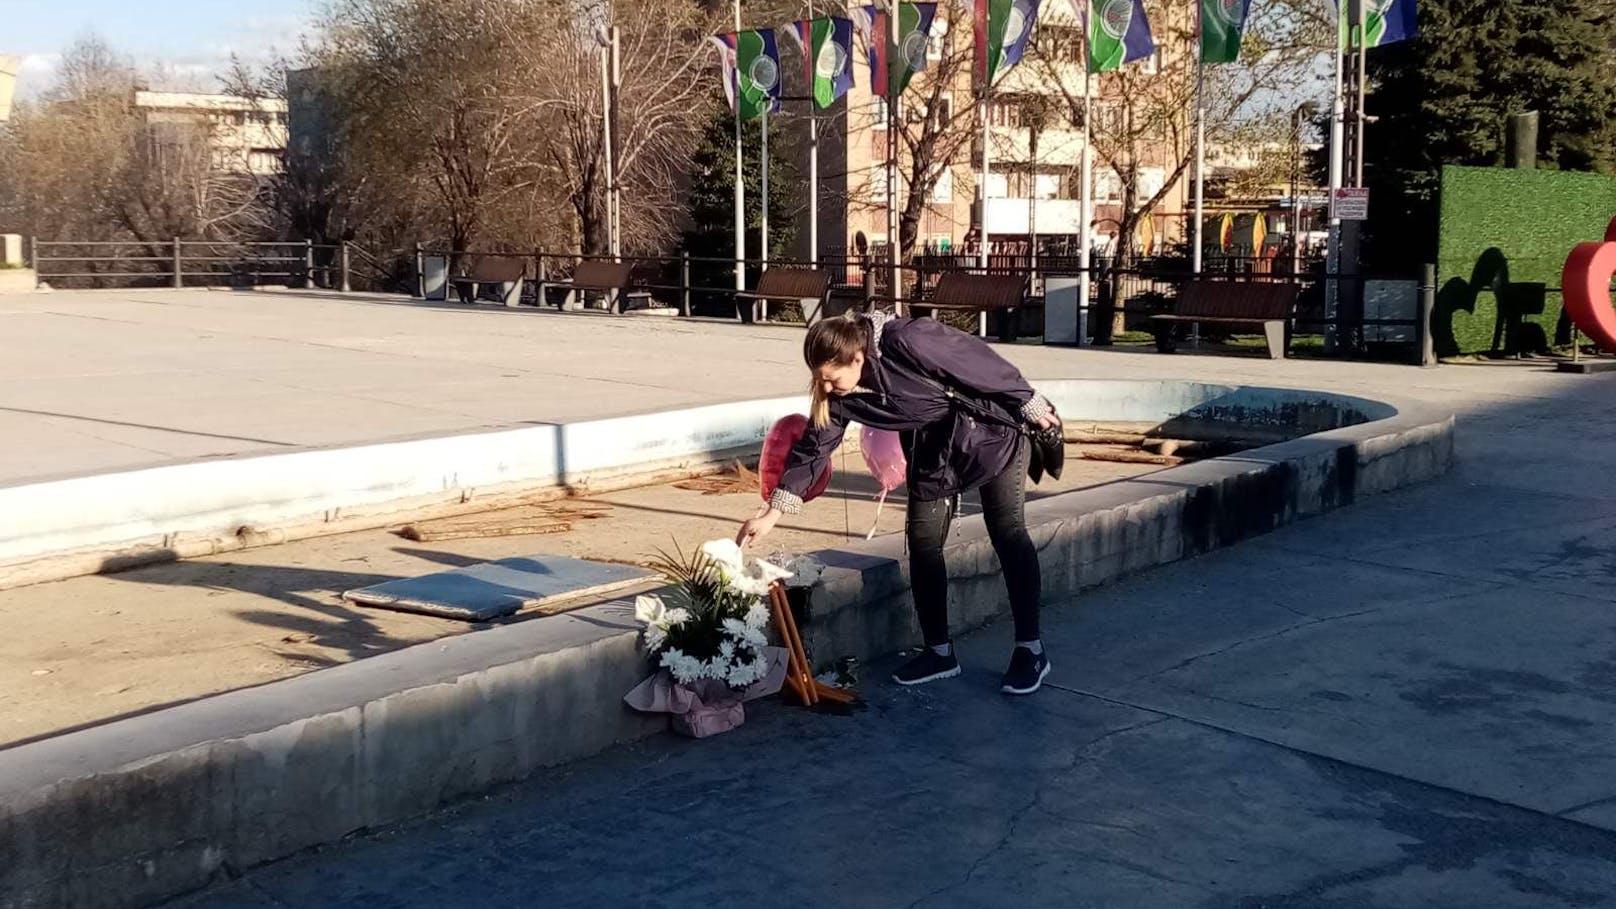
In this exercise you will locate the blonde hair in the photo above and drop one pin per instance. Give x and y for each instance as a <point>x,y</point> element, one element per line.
<point>831,341</point>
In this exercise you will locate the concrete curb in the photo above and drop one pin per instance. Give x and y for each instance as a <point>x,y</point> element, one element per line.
<point>104,522</point>
<point>142,809</point>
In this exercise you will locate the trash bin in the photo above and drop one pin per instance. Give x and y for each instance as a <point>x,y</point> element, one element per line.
<point>435,277</point>
<point>1064,322</point>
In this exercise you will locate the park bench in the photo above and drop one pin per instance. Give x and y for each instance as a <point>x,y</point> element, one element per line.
<point>1000,295</point>
<point>807,287</point>
<point>505,273</point>
<point>1263,305</point>
<point>610,279</point>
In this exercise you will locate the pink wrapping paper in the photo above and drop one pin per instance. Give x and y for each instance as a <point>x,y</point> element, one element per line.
<point>705,707</point>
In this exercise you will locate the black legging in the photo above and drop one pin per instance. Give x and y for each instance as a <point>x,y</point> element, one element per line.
<point>1004,500</point>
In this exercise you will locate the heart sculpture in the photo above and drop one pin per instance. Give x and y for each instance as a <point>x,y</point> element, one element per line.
<point>1585,284</point>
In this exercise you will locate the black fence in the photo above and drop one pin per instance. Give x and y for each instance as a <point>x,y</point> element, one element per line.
<point>180,263</point>
<point>1123,293</point>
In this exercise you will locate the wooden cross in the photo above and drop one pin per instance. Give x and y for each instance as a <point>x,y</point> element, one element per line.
<point>799,674</point>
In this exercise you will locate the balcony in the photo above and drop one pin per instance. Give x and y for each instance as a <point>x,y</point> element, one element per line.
<point>1055,216</point>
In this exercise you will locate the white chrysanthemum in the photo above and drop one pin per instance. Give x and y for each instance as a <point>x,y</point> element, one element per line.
<point>744,633</point>
<point>745,674</point>
<point>654,638</point>
<point>673,618</point>
<point>726,649</point>
<point>684,669</point>
<point>757,615</point>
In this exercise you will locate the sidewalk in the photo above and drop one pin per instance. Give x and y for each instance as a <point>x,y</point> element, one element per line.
<point>1404,704</point>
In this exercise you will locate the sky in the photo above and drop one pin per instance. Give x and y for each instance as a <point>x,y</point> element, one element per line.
<point>173,41</point>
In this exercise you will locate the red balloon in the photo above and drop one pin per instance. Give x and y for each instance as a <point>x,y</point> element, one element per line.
<point>786,432</point>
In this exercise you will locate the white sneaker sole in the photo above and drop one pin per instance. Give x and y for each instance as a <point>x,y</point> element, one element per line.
<point>1035,685</point>
<point>945,674</point>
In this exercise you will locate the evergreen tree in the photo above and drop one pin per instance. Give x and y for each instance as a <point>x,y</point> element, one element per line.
<point>711,233</point>
<point>1445,96</point>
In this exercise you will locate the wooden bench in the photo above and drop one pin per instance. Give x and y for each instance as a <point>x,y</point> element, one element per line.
<point>1266,305</point>
<point>999,294</point>
<point>806,286</point>
<point>610,279</point>
<point>506,273</point>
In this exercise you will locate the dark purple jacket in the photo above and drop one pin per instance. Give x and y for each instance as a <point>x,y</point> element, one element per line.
<point>950,449</point>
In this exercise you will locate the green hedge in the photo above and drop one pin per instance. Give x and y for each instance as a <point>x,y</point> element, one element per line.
<point>1509,231</point>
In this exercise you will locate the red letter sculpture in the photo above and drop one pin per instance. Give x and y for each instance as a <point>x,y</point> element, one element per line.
<point>1585,284</point>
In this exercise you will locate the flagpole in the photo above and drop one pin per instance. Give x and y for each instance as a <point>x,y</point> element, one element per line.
<point>813,137</point>
<point>1085,215</point>
<point>606,145</point>
<point>987,124</point>
<point>1333,251</point>
<point>618,144</point>
<point>763,252</point>
<point>1362,52</point>
<point>1200,137</point>
<point>813,186</point>
<point>740,185</point>
<point>895,280</point>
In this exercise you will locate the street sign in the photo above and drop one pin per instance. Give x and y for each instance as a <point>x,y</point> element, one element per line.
<point>1352,204</point>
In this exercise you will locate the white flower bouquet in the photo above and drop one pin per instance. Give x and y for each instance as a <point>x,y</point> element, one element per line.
<point>707,636</point>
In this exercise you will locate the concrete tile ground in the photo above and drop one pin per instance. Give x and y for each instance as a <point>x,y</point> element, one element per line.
<point>1405,704</point>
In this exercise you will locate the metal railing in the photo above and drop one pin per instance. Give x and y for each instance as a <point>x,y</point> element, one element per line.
<point>706,285</point>
<point>183,263</point>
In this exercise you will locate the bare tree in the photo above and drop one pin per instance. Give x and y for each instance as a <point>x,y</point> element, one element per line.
<point>936,130</point>
<point>663,100</point>
<point>479,121</point>
<point>86,164</point>
<point>1144,113</point>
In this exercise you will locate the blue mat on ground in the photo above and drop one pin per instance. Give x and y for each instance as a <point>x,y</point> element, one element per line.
<point>489,590</point>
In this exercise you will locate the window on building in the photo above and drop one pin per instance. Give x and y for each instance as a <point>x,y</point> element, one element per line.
<point>939,39</point>
<point>1046,186</point>
<point>1107,186</point>
<point>998,186</point>
<point>1060,43</point>
<point>943,190</point>
<point>878,183</point>
<point>1151,181</point>
<point>1005,114</point>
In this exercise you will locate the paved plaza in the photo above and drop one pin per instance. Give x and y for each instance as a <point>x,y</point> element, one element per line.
<point>113,380</point>
<point>1405,703</point>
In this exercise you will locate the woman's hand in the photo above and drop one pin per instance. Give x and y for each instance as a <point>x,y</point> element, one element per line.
<point>1049,421</point>
<point>756,529</point>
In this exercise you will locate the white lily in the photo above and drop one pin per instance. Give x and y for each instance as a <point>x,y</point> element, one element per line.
<point>726,555</point>
<point>650,610</point>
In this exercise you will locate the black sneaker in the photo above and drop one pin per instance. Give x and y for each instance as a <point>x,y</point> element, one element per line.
<point>929,666</point>
<point>1026,672</point>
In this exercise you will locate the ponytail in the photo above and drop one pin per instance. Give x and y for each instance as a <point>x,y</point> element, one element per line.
<point>819,404</point>
<point>831,341</point>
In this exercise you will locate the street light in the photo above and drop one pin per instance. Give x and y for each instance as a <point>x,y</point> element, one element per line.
<point>1304,111</point>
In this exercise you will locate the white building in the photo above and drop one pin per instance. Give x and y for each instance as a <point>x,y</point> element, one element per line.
<point>247,135</point>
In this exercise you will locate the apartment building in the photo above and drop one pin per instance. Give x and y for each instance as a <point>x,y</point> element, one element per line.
<point>246,135</point>
<point>1030,185</point>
